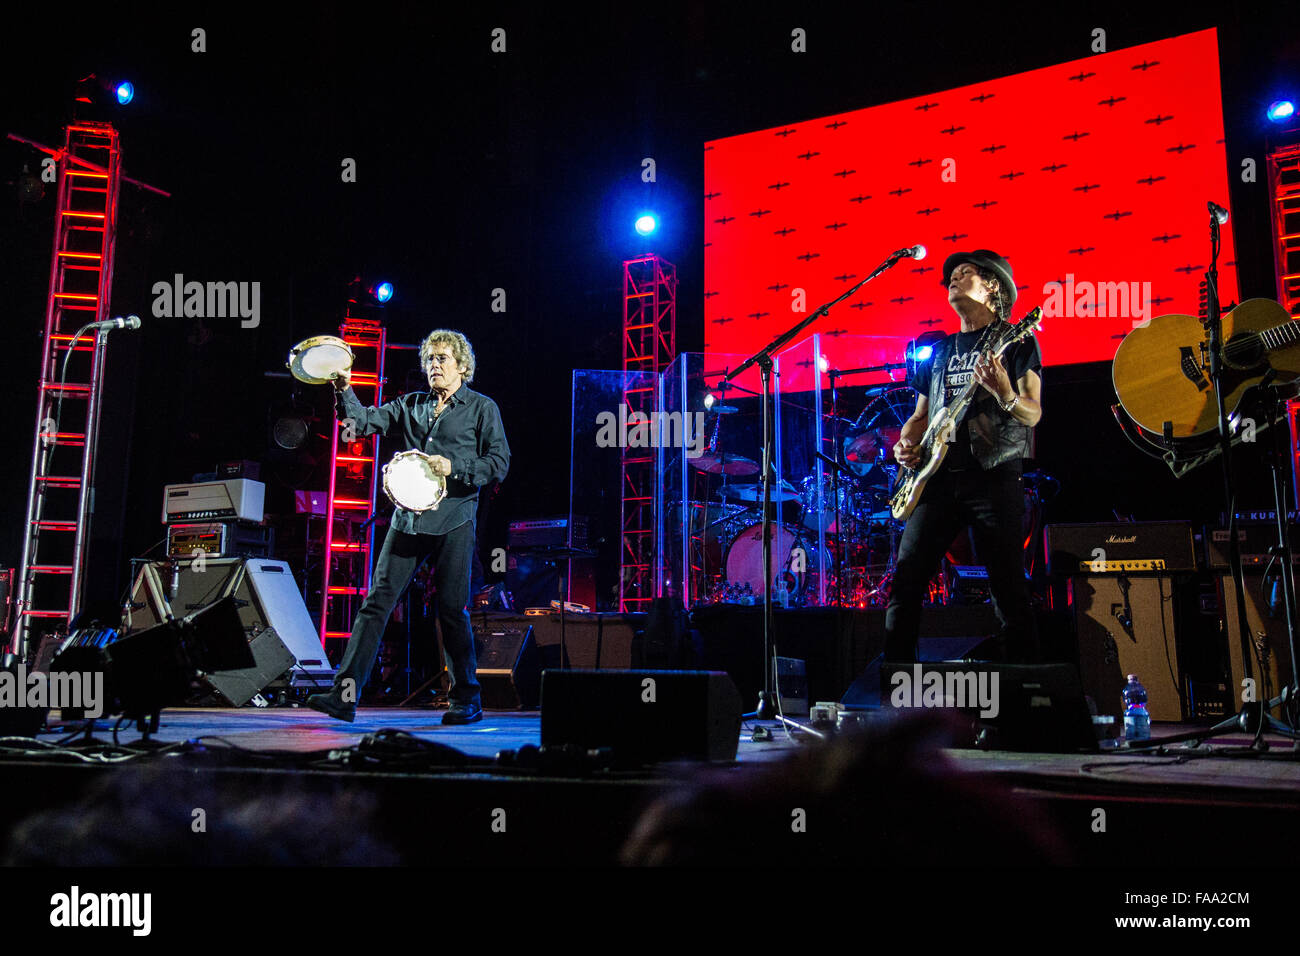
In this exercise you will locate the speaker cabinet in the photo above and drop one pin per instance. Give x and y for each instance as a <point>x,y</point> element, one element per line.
<point>16,718</point>
<point>271,613</point>
<point>644,716</point>
<point>509,666</point>
<point>264,589</point>
<point>1267,635</point>
<point>1125,625</point>
<point>271,657</point>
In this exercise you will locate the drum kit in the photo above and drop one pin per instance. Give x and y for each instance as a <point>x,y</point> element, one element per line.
<point>850,511</point>
<point>409,479</point>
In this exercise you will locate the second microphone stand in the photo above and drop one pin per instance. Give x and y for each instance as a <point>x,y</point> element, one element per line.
<point>767,709</point>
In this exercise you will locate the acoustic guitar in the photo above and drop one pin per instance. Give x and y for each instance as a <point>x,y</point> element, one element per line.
<point>933,446</point>
<point>1162,370</point>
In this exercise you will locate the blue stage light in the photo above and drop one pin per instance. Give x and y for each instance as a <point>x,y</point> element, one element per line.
<point>646,224</point>
<point>125,92</point>
<point>923,353</point>
<point>383,292</point>
<point>1281,111</point>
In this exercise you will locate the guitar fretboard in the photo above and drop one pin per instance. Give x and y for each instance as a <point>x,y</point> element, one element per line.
<point>1280,336</point>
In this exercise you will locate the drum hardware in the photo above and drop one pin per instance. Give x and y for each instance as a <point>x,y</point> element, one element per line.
<point>319,359</point>
<point>869,445</point>
<point>410,482</point>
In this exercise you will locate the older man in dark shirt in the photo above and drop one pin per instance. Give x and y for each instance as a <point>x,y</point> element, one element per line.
<point>461,431</point>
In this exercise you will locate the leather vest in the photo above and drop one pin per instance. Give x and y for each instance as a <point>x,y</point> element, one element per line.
<point>995,436</point>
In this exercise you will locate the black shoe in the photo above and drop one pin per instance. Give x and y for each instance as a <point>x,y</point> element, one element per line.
<point>459,713</point>
<point>333,705</point>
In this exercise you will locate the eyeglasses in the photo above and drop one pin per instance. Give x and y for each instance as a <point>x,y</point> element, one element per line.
<point>439,360</point>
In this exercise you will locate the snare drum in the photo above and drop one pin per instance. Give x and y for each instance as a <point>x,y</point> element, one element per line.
<point>319,360</point>
<point>410,483</point>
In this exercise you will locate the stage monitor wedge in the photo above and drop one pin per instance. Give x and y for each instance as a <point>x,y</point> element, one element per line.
<point>643,716</point>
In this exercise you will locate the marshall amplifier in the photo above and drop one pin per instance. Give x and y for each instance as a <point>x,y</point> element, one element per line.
<point>1120,547</point>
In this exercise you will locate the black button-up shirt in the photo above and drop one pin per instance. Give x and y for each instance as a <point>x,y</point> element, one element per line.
<point>468,433</point>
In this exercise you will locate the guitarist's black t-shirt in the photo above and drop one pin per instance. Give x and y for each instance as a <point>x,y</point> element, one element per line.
<point>961,348</point>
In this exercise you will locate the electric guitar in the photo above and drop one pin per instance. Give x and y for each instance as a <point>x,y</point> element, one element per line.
<point>1161,370</point>
<point>933,446</point>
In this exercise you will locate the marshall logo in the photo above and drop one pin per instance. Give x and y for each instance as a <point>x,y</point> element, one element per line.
<point>1116,539</point>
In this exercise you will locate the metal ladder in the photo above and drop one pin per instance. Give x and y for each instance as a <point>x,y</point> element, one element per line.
<point>354,480</point>
<point>60,497</point>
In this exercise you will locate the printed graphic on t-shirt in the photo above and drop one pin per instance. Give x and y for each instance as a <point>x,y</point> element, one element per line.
<point>960,371</point>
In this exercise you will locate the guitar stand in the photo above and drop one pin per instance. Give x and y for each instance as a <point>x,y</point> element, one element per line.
<point>1254,717</point>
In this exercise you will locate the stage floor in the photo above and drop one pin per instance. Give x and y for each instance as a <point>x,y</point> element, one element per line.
<point>1220,768</point>
<point>1172,808</point>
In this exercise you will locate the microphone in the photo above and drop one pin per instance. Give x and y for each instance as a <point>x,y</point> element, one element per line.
<point>130,322</point>
<point>1217,211</point>
<point>915,252</point>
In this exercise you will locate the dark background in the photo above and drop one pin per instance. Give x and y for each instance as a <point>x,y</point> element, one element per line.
<point>519,171</point>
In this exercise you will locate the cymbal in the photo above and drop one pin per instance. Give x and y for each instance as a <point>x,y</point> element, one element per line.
<point>724,463</point>
<point>754,492</point>
<point>870,448</point>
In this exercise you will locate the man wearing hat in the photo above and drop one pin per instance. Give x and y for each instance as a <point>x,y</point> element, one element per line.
<point>978,486</point>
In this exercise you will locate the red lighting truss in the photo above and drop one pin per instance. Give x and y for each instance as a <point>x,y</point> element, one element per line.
<point>649,345</point>
<point>51,579</point>
<point>354,473</point>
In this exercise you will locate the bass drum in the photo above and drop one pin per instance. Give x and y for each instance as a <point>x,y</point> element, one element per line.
<point>791,555</point>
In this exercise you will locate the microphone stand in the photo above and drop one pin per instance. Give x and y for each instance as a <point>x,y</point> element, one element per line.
<point>766,710</point>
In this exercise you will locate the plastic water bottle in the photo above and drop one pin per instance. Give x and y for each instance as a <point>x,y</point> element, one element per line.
<point>781,594</point>
<point>1137,722</point>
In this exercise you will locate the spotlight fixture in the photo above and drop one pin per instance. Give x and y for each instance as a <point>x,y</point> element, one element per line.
<point>646,224</point>
<point>95,90</point>
<point>1280,111</point>
<point>919,351</point>
<point>369,291</point>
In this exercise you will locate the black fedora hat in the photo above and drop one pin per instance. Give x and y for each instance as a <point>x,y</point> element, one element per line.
<point>985,259</point>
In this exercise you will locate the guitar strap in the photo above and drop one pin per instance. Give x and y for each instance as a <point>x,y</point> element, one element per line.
<point>947,354</point>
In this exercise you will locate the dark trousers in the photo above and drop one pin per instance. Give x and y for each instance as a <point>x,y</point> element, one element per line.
<point>401,556</point>
<point>992,504</point>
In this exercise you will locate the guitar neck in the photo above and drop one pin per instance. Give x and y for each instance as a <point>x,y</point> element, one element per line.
<point>1281,336</point>
<point>958,405</point>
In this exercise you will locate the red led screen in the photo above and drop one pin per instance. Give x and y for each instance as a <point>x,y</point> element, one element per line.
<point>1098,169</point>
